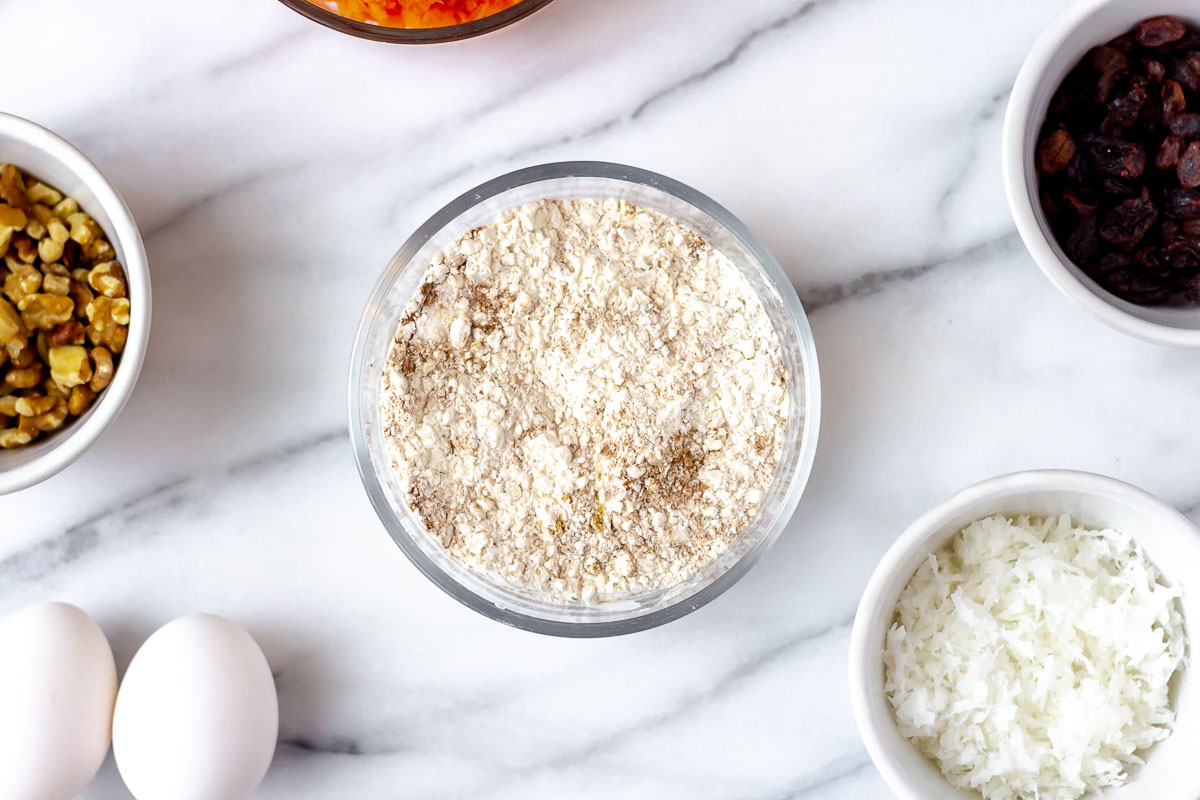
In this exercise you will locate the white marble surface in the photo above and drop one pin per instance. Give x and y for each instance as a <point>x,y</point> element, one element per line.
<point>274,167</point>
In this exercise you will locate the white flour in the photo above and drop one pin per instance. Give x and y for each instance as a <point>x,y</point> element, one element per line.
<point>585,400</point>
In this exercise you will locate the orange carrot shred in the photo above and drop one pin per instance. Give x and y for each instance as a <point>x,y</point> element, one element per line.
<point>419,13</point>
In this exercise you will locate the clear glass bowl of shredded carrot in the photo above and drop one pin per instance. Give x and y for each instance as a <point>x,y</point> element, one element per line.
<point>418,13</point>
<point>415,21</point>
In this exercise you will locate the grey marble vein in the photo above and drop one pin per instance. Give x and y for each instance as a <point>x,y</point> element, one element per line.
<point>81,538</point>
<point>986,116</point>
<point>820,297</point>
<point>835,771</point>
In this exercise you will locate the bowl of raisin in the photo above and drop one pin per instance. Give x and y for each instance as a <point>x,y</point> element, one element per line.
<point>1102,163</point>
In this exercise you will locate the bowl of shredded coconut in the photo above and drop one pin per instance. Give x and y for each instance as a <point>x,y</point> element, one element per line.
<point>1028,638</point>
<point>584,399</point>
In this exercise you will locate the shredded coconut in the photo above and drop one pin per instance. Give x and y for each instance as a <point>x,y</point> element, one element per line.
<point>584,399</point>
<point>1032,658</point>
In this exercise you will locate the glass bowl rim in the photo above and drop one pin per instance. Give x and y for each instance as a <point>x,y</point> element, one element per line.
<point>382,33</point>
<point>789,300</point>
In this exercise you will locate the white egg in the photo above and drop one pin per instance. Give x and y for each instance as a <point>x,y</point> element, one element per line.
<point>197,716</point>
<point>57,686</point>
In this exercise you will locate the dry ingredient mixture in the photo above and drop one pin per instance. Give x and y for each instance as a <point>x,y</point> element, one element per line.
<point>1032,659</point>
<point>64,313</point>
<point>418,13</point>
<point>1118,162</point>
<point>585,400</point>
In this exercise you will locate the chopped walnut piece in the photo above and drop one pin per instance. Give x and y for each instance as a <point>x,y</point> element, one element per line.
<point>70,332</point>
<point>82,228</point>
<point>103,362</point>
<point>24,378</point>
<point>12,217</point>
<point>81,399</point>
<point>54,418</point>
<point>12,187</point>
<point>23,356</point>
<point>57,284</point>
<point>69,366</point>
<point>107,329</point>
<point>45,311</point>
<point>22,282</point>
<point>41,193</point>
<point>34,405</point>
<point>12,327</point>
<point>14,437</point>
<point>108,279</point>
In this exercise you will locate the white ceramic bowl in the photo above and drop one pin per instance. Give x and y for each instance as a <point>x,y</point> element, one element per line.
<point>1169,539</point>
<point>53,160</point>
<point>1081,27</point>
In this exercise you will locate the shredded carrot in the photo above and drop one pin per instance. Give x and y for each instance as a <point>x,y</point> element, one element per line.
<point>419,13</point>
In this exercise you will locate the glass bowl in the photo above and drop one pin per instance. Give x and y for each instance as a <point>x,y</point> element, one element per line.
<point>381,33</point>
<point>567,181</point>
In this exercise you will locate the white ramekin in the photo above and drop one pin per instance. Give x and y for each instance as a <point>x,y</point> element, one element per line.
<point>1082,26</point>
<point>52,159</point>
<point>1169,539</point>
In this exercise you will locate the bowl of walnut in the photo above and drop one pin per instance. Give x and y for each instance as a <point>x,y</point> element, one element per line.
<point>74,303</point>
<point>1102,163</point>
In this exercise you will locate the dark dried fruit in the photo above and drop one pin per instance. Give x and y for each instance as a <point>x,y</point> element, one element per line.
<point>1134,228</point>
<point>1055,152</point>
<point>1186,125</point>
<point>1173,99</point>
<point>1169,152</point>
<point>1155,71</point>
<point>1128,222</point>
<point>1189,166</point>
<point>1182,203</point>
<point>1081,202</point>
<point>1185,70</point>
<point>1158,31</point>
<point>1137,286</point>
<point>1125,108</point>
<point>1112,65</point>
<point>1083,246</point>
<point>1191,289</point>
<point>1181,255</point>
<point>1115,157</point>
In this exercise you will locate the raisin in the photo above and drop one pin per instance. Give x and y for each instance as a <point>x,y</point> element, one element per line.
<point>1125,108</point>
<point>1120,187</point>
<point>1186,125</point>
<point>1128,222</point>
<point>1155,71</point>
<point>1173,99</point>
<point>1185,70</point>
<point>1080,172</point>
<point>1112,66</point>
<point>1115,157</point>
<point>1182,203</point>
<point>1189,166</point>
<point>1108,264</point>
<point>1055,152</point>
<point>1081,202</point>
<point>1083,245</point>
<point>1182,255</point>
<point>1191,289</point>
<point>1168,153</point>
<point>1137,286</point>
<point>1157,31</point>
